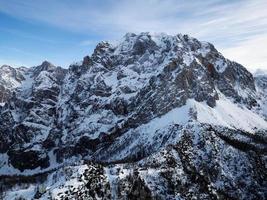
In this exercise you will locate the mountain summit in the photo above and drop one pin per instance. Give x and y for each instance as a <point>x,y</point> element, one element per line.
<point>153,117</point>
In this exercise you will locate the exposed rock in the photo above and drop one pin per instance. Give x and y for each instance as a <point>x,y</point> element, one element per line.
<point>23,160</point>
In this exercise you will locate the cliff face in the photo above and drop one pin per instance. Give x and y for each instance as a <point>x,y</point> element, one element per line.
<point>183,122</point>
<point>10,78</point>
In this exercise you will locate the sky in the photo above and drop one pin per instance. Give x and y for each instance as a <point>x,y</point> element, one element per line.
<point>64,31</point>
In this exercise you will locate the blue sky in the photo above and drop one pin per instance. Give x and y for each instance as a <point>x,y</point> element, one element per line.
<point>64,31</point>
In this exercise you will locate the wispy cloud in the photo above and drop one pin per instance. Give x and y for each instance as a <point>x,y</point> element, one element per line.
<point>251,53</point>
<point>88,42</point>
<point>231,25</point>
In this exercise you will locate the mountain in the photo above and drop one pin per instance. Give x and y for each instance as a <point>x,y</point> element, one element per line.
<point>261,83</point>
<point>10,78</point>
<point>152,117</point>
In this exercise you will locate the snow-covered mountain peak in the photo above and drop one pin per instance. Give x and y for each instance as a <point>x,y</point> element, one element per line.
<point>45,66</point>
<point>11,75</point>
<point>166,106</point>
<point>137,48</point>
<point>6,68</point>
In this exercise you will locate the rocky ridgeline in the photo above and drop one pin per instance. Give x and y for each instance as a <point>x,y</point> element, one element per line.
<point>113,108</point>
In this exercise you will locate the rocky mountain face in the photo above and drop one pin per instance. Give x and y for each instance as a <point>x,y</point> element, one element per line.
<point>261,84</point>
<point>152,117</point>
<point>10,78</point>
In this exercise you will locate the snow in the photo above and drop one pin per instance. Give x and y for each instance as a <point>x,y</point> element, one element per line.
<point>261,89</point>
<point>156,133</point>
<point>44,80</point>
<point>8,77</point>
<point>188,59</point>
<point>146,134</point>
<point>5,167</point>
<point>57,182</point>
<point>12,83</point>
<point>27,193</point>
<point>260,72</point>
<point>26,85</point>
<point>225,113</point>
<point>113,179</point>
<point>111,79</point>
<point>204,50</point>
<point>242,92</point>
<point>176,116</point>
<point>125,44</point>
<point>220,65</point>
<point>91,127</point>
<point>228,114</point>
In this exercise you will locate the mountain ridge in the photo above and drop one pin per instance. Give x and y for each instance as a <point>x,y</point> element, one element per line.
<point>127,103</point>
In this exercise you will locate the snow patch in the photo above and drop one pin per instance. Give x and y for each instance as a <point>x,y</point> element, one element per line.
<point>229,115</point>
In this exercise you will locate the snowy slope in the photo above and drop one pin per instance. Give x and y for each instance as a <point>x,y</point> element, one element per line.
<point>230,115</point>
<point>153,109</point>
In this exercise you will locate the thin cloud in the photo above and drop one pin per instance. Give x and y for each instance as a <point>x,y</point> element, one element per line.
<point>117,17</point>
<point>251,53</point>
<point>228,24</point>
<point>88,43</point>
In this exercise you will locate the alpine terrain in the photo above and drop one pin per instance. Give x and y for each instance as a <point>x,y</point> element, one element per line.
<point>154,116</point>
